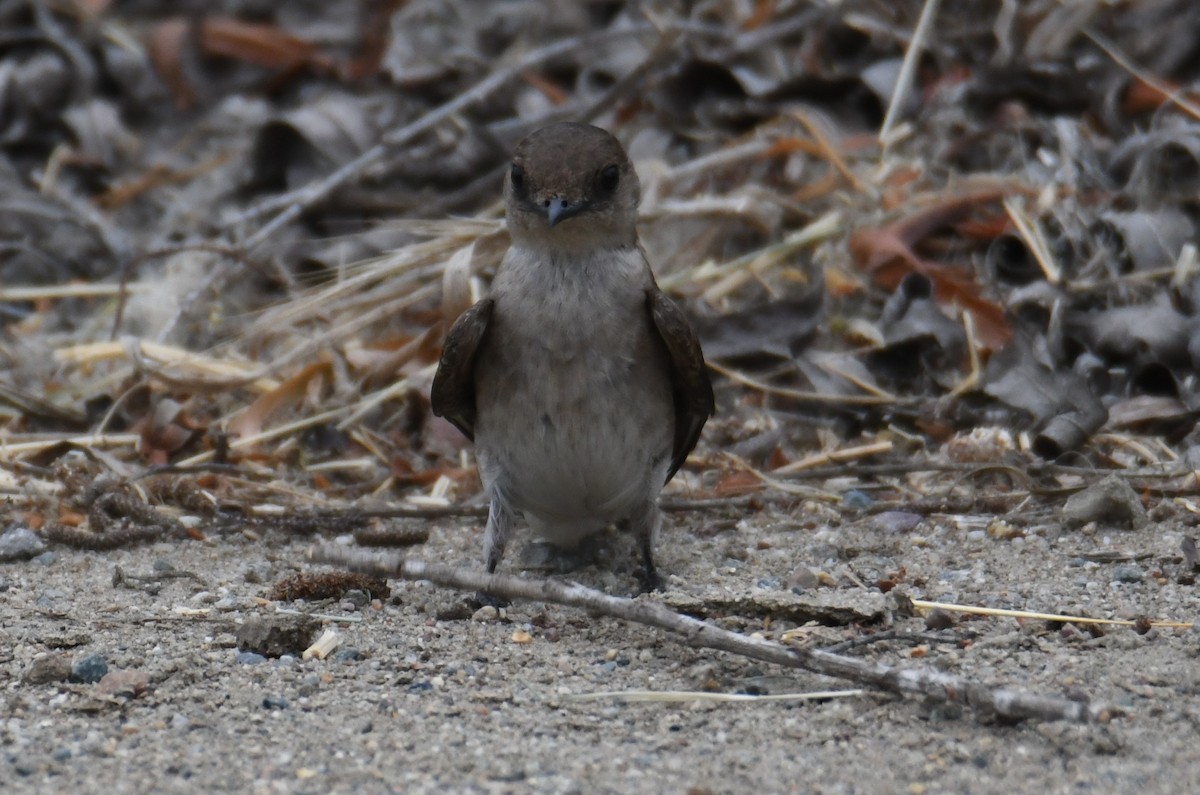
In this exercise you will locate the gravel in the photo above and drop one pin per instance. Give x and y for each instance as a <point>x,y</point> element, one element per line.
<point>489,702</point>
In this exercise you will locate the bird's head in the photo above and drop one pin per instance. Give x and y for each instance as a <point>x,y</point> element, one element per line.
<point>571,185</point>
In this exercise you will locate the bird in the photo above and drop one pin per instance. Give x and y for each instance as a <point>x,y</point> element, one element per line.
<point>582,385</point>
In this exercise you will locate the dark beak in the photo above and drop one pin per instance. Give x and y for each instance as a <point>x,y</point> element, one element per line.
<point>561,209</point>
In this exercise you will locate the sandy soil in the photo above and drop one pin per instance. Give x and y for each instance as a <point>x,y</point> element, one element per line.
<point>436,700</point>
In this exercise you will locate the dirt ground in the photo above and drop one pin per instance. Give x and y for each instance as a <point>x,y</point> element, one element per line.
<point>229,239</point>
<point>459,704</point>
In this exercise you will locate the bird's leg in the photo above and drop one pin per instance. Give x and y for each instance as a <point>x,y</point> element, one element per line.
<point>499,529</point>
<point>645,526</point>
<point>495,539</point>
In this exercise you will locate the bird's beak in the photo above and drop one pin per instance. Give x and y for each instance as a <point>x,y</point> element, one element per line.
<point>560,210</point>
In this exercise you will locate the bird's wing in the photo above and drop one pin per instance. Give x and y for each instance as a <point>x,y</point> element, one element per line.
<point>453,393</point>
<point>692,390</point>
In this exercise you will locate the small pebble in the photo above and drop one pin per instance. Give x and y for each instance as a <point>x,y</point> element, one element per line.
<point>61,754</point>
<point>1128,573</point>
<point>896,521</point>
<point>130,683</point>
<point>348,654</point>
<point>275,702</point>
<point>1112,502</point>
<point>226,640</point>
<point>486,613</point>
<point>357,597</point>
<point>257,574</point>
<point>20,543</point>
<point>89,670</point>
<point>44,559</point>
<point>857,499</point>
<point>53,668</point>
<point>249,658</point>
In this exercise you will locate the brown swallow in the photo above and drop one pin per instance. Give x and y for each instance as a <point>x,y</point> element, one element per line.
<point>582,385</point>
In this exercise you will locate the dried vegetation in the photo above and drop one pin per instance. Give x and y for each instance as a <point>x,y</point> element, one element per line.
<point>940,255</point>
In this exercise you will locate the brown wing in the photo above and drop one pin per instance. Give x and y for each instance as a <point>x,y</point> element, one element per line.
<point>694,402</point>
<point>453,393</point>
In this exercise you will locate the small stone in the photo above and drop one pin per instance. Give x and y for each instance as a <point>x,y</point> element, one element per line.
<point>257,574</point>
<point>1128,573</point>
<point>348,654</point>
<point>358,598</point>
<point>522,637</point>
<point>896,521</point>
<point>89,670</point>
<point>275,702</point>
<point>61,754</point>
<point>129,683</point>
<point>486,613</point>
<point>857,499</point>
<point>45,559</point>
<point>226,640</point>
<point>1110,503</point>
<point>803,579</point>
<point>277,635</point>
<point>52,668</point>
<point>180,722</point>
<point>458,610</point>
<point>938,619</point>
<point>20,543</point>
<point>249,658</point>
<point>203,598</point>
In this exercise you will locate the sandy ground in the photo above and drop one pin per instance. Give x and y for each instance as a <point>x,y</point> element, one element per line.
<point>423,697</point>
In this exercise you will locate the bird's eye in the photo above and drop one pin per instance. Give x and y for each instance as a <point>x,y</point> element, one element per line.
<point>517,175</point>
<point>609,178</point>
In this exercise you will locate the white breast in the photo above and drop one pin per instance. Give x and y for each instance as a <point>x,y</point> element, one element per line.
<point>575,416</point>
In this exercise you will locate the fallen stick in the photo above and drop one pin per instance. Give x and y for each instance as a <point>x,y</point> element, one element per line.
<point>1000,701</point>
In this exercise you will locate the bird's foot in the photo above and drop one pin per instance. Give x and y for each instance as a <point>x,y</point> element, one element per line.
<point>483,599</point>
<point>649,580</point>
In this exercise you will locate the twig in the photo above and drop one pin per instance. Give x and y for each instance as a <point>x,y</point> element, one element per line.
<point>1171,94</point>
<point>908,68</point>
<point>999,611</point>
<point>675,696</point>
<point>931,684</point>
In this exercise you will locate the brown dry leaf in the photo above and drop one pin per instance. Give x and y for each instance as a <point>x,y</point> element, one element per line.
<point>260,44</point>
<point>887,253</point>
<point>167,42</point>
<point>251,421</point>
<point>737,482</point>
<point>167,429</point>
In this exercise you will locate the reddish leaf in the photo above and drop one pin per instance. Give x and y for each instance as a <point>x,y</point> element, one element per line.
<point>268,46</point>
<point>166,45</point>
<point>887,254</point>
